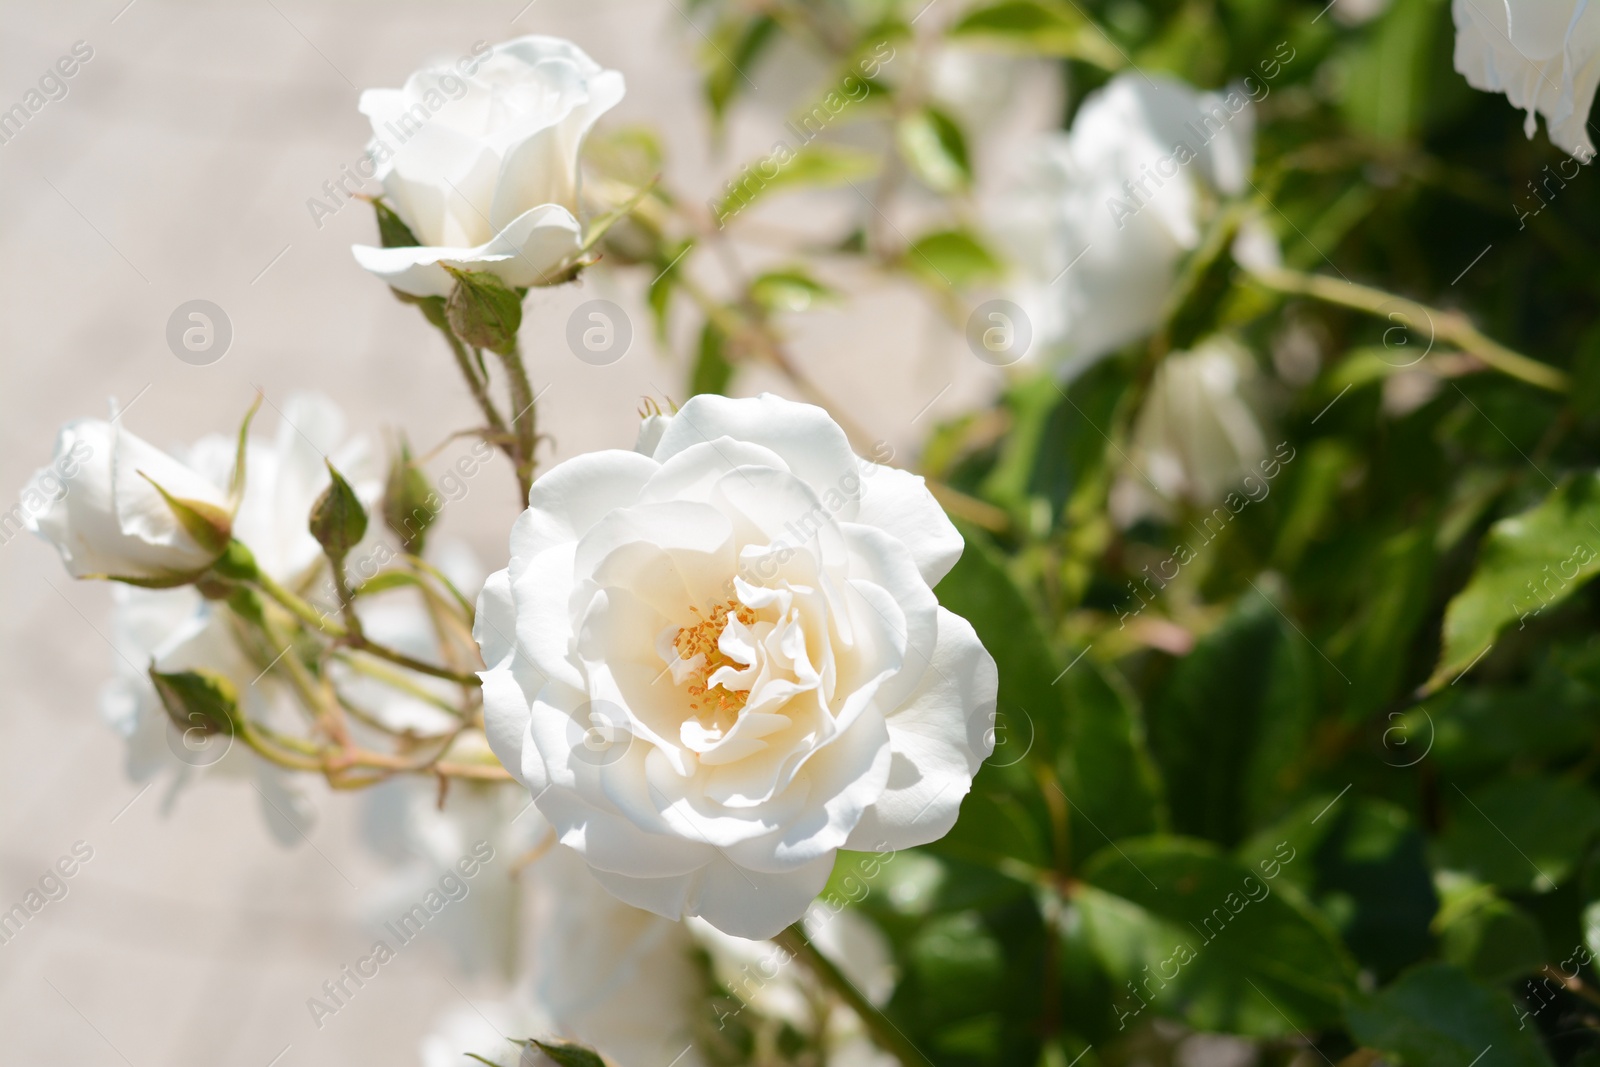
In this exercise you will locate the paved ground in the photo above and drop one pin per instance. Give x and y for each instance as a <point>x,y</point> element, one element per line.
<point>177,167</point>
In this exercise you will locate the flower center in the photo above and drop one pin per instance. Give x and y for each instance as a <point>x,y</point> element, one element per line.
<point>718,702</point>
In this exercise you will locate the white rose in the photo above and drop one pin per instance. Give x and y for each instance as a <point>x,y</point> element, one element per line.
<point>718,660</point>
<point>480,160</point>
<point>95,502</point>
<point>1105,212</point>
<point>1543,54</point>
<point>1197,436</point>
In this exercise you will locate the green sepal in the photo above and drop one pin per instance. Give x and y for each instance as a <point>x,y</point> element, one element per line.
<point>210,526</point>
<point>484,311</point>
<point>197,700</point>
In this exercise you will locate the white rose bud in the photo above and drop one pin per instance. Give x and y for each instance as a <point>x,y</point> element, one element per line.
<point>1197,438</point>
<point>109,519</point>
<point>1543,54</point>
<point>480,160</point>
<point>717,661</point>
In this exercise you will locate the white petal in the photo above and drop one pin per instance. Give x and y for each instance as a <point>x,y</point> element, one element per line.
<point>939,740</point>
<point>807,438</point>
<point>898,503</point>
<point>526,253</point>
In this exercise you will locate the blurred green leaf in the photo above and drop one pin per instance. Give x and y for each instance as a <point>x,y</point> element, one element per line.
<point>1041,26</point>
<point>1106,770</point>
<point>1206,939</point>
<point>951,258</point>
<point>1527,563</point>
<point>712,371</point>
<point>1229,725</point>
<point>1436,1016</point>
<point>934,146</point>
<point>1492,939</point>
<point>1520,834</point>
<point>791,289</point>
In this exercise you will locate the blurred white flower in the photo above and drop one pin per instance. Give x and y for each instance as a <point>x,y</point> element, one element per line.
<point>177,629</point>
<point>481,162</point>
<point>1103,213</point>
<point>776,987</point>
<point>597,972</point>
<point>1543,54</point>
<point>718,660</point>
<point>1358,12</point>
<point>404,822</point>
<point>1197,435</point>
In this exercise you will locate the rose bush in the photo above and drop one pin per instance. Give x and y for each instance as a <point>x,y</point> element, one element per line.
<point>485,171</point>
<point>718,659</point>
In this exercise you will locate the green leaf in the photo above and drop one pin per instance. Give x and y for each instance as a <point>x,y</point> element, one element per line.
<point>951,258</point>
<point>793,289</point>
<point>1527,563</point>
<point>1492,939</point>
<point>1373,884</point>
<point>1436,1016</point>
<point>338,521</point>
<point>731,52</point>
<point>1206,939</point>
<point>660,295</point>
<point>815,166</point>
<point>1229,726</point>
<point>1107,773</point>
<point>1039,26</point>
<point>1520,834</point>
<point>483,310</point>
<point>712,371</point>
<point>934,146</point>
<point>198,700</point>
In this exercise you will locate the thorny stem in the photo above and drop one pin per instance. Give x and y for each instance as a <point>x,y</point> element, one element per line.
<point>1451,326</point>
<point>480,390</point>
<point>524,418</point>
<point>884,1032</point>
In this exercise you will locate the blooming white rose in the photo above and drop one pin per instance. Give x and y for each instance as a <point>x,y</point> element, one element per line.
<point>1543,54</point>
<point>98,504</point>
<point>1197,436</point>
<point>717,660</point>
<point>482,163</point>
<point>1104,212</point>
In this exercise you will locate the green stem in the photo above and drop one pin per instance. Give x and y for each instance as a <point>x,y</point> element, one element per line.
<point>355,640</point>
<point>1451,326</point>
<point>524,419</point>
<point>479,387</point>
<point>885,1033</point>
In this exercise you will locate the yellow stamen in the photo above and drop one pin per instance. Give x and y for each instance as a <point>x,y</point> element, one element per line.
<point>701,640</point>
